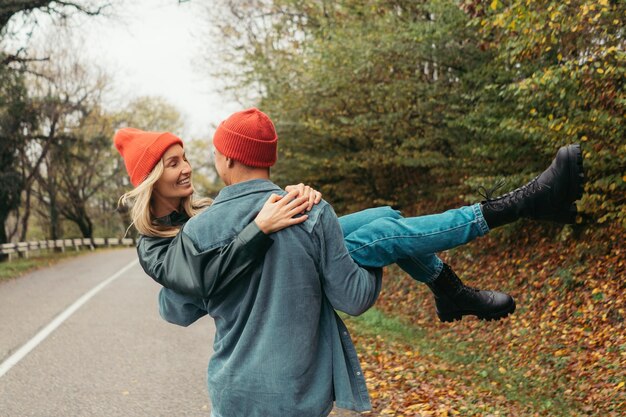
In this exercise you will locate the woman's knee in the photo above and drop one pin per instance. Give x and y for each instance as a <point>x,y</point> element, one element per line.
<point>351,222</point>
<point>384,211</point>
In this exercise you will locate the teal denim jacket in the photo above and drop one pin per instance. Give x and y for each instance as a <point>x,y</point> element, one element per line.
<point>280,348</point>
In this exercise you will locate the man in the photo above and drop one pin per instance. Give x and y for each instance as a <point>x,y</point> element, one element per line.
<point>280,348</point>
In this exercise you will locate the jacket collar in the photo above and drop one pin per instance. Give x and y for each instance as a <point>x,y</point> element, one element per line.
<point>173,219</point>
<point>244,188</point>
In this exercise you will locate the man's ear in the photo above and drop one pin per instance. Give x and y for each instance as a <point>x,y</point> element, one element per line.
<point>230,162</point>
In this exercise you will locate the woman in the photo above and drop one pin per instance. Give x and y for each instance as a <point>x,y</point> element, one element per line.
<point>162,203</point>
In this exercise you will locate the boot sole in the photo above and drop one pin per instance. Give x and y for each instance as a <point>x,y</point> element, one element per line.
<point>458,315</point>
<point>577,172</point>
<point>567,214</point>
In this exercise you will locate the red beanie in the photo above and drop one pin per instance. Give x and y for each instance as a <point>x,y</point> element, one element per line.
<point>142,150</point>
<point>248,137</point>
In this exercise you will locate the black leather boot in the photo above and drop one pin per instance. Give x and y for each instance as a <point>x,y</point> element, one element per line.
<point>455,300</point>
<point>550,196</point>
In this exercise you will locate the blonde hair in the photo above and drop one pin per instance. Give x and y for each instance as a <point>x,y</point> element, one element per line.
<point>140,199</point>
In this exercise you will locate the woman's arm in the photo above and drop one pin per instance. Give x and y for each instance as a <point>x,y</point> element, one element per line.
<point>303,191</point>
<point>176,264</point>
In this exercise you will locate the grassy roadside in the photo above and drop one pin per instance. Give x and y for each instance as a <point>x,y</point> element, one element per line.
<point>20,266</point>
<point>432,376</point>
<point>562,353</point>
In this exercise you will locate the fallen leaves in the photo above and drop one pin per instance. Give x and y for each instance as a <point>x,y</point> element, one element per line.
<point>562,353</point>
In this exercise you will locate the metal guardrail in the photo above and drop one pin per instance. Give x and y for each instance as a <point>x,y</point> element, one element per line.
<point>23,249</point>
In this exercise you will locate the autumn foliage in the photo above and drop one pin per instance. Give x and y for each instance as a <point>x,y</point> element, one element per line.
<point>562,353</point>
<point>568,85</point>
<point>396,102</point>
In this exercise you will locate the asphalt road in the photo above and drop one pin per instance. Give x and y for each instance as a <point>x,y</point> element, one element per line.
<point>114,356</point>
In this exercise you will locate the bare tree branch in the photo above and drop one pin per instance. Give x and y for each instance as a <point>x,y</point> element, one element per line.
<point>62,9</point>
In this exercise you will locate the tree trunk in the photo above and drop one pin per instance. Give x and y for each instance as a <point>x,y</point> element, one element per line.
<point>55,228</point>
<point>83,222</point>
<point>26,216</point>
<point>3,234</point>
<point>86,227</point>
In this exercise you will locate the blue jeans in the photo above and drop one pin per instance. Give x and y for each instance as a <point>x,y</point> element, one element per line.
<point>380,236</point>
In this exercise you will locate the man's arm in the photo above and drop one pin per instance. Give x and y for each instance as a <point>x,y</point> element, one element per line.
<point>176,263</point>
<point>179,309</point>
<point>349,287</point>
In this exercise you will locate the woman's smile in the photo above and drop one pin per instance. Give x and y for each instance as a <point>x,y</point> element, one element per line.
<point>184,182</point>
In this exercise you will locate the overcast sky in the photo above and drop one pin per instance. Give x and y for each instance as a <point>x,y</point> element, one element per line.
<point>151,47</point>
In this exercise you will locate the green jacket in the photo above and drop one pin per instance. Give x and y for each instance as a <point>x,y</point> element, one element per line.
<point>175,263</point>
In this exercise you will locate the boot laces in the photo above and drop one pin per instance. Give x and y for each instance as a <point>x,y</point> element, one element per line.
<point>487,194</point>
<point>461,288</point>
<point>466,289</point>
<point>515,196</point>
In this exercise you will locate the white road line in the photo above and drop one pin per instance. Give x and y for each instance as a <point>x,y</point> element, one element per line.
<point>58,320</point>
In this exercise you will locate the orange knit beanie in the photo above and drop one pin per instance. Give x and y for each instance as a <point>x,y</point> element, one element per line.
<point>142,150</point>
<point>248,137</point>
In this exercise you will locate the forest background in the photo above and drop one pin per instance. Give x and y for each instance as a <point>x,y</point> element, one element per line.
<point>414,104</point>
